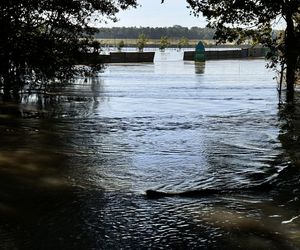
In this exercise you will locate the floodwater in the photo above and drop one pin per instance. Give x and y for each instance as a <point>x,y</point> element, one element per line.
<point>75,165</point>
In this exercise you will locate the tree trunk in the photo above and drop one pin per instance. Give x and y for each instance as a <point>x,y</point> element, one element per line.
<point>7,89</point>
<point>291,57</point>
<point>6,81</point>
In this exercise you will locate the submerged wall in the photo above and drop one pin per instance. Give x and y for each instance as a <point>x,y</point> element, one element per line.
<point>227,54</point>
<point>143,57</point>
<point>118,57</point>
<point>127,57</point>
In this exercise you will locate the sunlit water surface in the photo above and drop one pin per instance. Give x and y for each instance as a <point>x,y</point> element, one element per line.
<point>74,168</point>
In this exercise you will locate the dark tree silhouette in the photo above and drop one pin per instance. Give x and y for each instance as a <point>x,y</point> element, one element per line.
<point>41,40</point>
<point>244,19</point>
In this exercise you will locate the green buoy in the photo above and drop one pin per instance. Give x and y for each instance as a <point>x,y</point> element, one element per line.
<point>200,52</point>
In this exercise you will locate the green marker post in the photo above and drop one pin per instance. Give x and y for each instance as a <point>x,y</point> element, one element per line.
<point>200,52</point>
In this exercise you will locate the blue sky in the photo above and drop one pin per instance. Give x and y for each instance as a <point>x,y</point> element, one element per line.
<point>154,14</point>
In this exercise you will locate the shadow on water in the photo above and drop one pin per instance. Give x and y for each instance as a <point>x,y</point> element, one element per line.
<point>49,143</point>
<point>282,200</point>
<point>40,207</point>
<point>289,178</point>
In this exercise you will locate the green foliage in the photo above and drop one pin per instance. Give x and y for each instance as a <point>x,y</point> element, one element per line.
<point>164,43</point>
<point>142,41</point>
<point>242,20</point>
<point>42,40</point>
<point>96,45</point>
<point>175,32</point>
<point>183,42</point>
<point>120,45</point>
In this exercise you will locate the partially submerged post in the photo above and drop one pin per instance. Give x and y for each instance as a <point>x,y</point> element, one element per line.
<point>200,52</point>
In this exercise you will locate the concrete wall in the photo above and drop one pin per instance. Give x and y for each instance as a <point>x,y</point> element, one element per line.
<point>118,57</point>
<point>227,54</point>
<point>257,52</point>
<point>131,57</point>
<point>223,54</point>
<point>189,55</point>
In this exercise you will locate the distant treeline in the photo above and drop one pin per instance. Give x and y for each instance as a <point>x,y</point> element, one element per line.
<point>155,33</point>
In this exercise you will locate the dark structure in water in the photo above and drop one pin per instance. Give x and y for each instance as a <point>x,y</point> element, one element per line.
<point>153,194</point>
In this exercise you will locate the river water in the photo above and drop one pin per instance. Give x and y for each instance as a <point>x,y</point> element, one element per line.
<point>75,165</point>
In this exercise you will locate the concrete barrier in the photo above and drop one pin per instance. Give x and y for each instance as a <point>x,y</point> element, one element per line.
<point>131,57</point>
<point>218,54</point>
<point>227,54</point>
<point>257,52</point>
<point>189,55</point>
<point>118,57</point>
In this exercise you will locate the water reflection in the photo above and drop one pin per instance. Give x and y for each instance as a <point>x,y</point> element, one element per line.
<point>74,165</point>
<point>70,100</point>
<point>39,208</point>
<point>199,68</point>
<point>289,178</point>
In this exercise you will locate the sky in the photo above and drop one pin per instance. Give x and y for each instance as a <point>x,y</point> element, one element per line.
<point>154,14</point>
